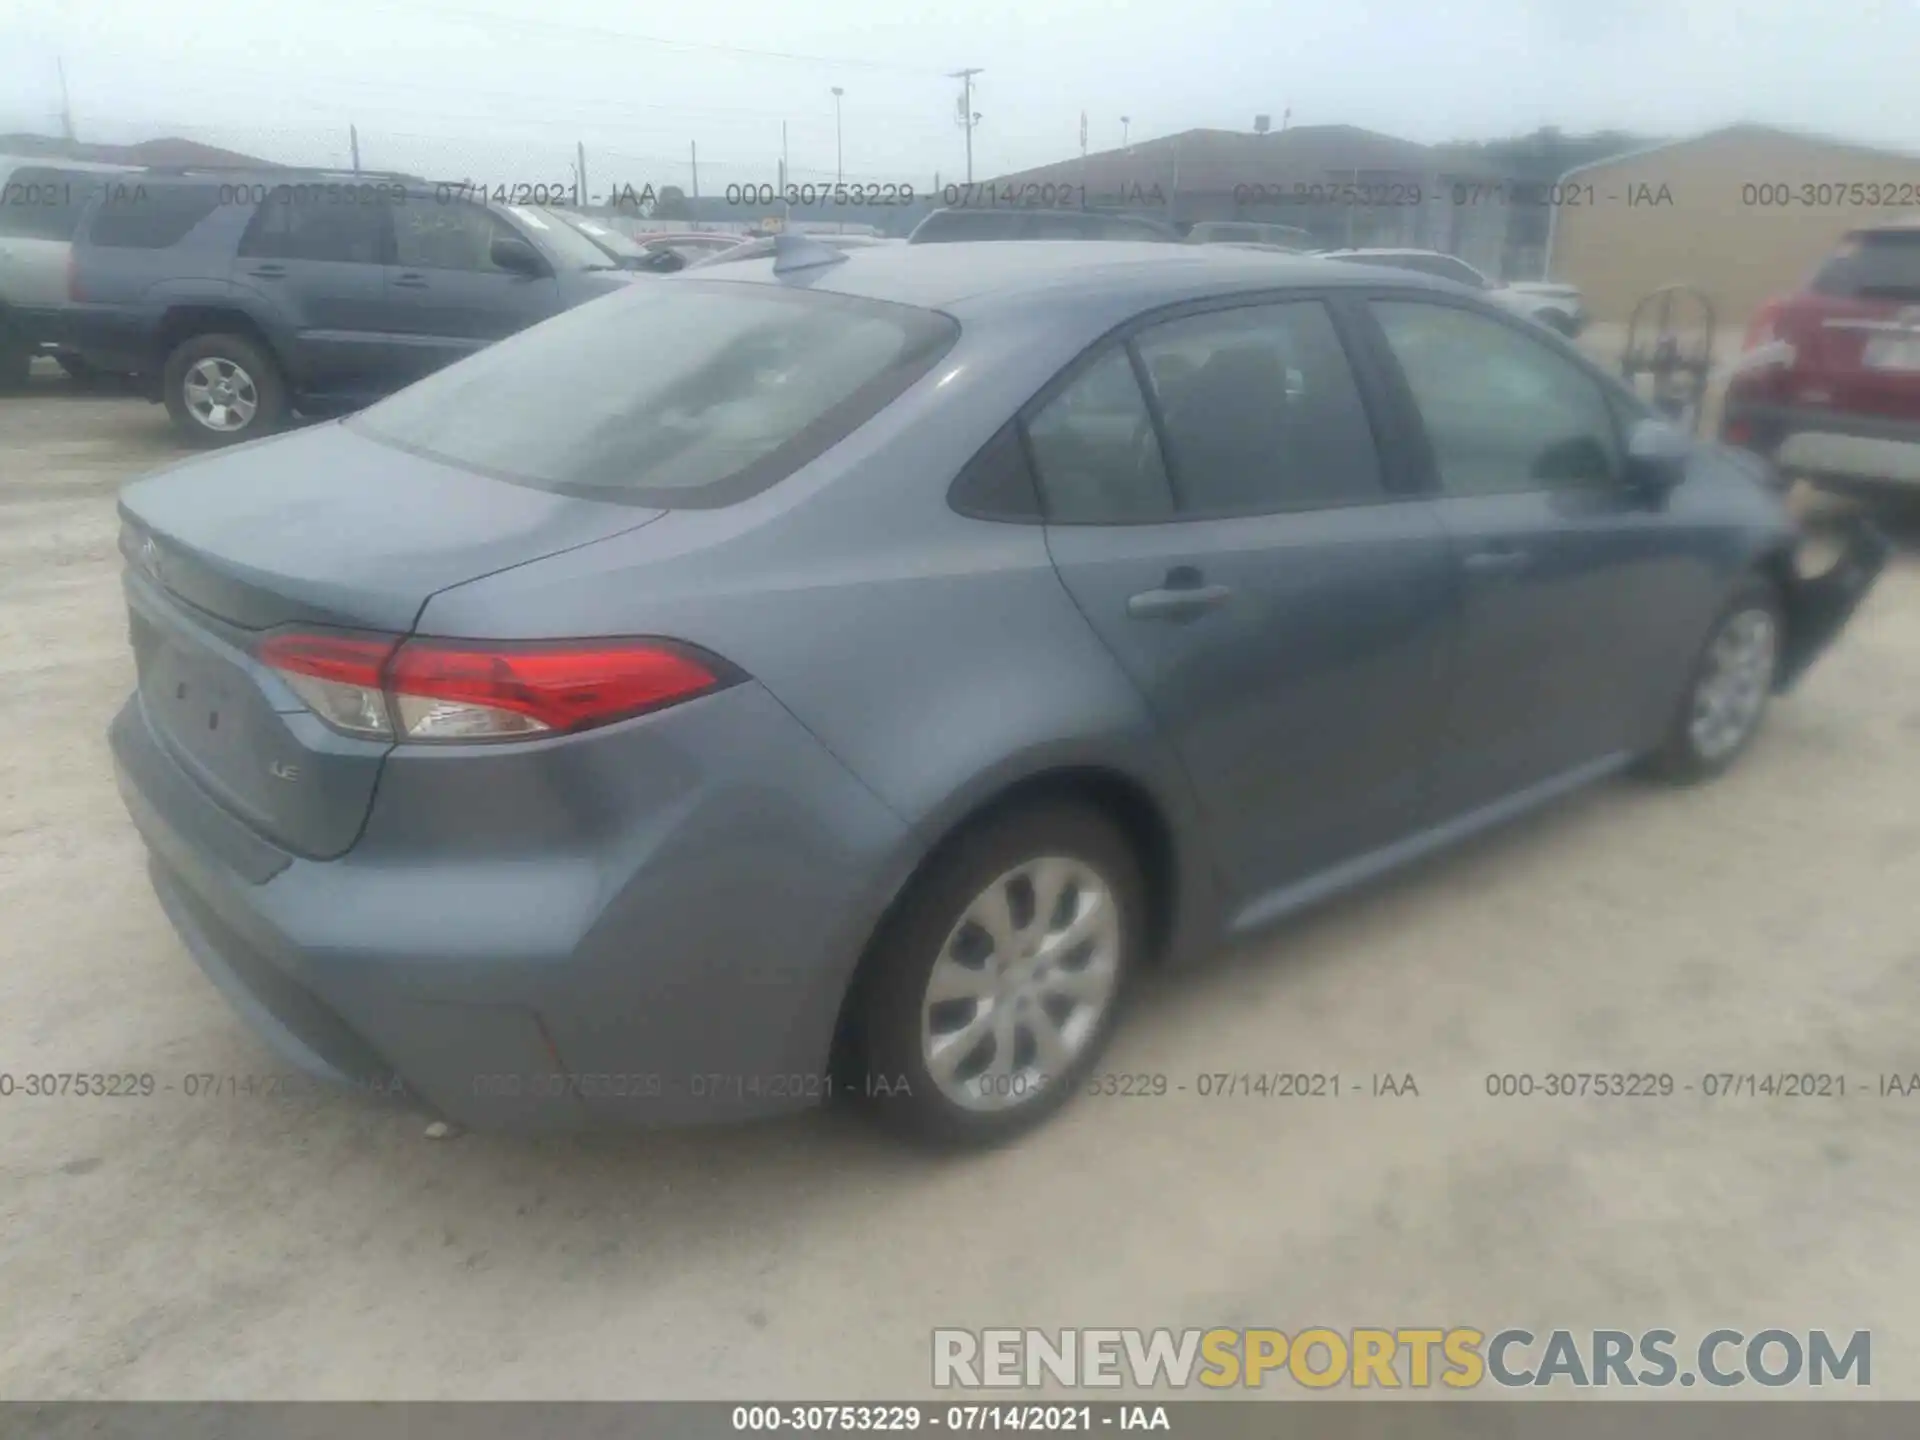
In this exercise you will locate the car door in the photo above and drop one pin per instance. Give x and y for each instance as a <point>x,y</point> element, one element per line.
<point>1566,573</point>
<point>1218,507</point>
<point>446,296</point>
<point>314,255</point>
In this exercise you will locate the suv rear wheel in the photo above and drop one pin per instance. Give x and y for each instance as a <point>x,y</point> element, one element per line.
<point>222,389</point>
<point>16,359</point>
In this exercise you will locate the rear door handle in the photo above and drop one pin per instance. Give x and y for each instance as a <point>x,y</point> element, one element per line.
<point>411,282</point>
<point>1498,562</point>
<point>269,272</point>
<point>1183,603</point>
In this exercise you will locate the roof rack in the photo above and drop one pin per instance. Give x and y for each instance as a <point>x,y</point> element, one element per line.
<point>318,171</point>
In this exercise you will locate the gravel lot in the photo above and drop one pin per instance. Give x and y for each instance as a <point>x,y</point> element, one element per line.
<point>320,1248</point>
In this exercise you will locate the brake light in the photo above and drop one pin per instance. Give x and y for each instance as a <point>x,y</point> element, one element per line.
<point>464,690</point>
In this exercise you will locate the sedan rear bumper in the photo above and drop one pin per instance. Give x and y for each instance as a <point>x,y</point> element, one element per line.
<point>684,965</point>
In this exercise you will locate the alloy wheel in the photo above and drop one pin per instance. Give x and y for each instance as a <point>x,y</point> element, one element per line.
<point>220,395</point>
<point>1022,984</point>
<point>1734,683</point>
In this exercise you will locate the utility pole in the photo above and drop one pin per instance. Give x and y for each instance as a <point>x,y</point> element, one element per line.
<point>967,117</point>
<point>66,105</point>
<point>585,197</point>
<point>1083,159</point>
<point>1126,122</point>
<point>353,144</point>
<point>839,158</point>
<point>693,154</point>
<point>786,206</point>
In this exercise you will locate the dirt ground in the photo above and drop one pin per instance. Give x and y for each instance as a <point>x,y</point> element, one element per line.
<point>310,1247</point>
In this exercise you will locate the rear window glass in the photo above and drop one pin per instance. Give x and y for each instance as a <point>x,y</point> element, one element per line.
<point>1878,263</point>
<point>134,215</point>
<point>678,393</point>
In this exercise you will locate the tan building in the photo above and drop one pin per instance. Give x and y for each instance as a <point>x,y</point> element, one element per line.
<point>1743,213</point>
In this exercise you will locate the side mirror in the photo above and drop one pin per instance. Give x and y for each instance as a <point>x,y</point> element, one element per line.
<point>1657,454</point>
<point>511,253</point>
<point>663,262</point>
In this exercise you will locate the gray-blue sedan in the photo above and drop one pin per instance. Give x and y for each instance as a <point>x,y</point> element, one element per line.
<point>843,672</point>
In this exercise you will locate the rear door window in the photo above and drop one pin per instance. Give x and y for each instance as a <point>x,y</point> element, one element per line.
<point>137,215</point>
<point>1096,451</point>
<point>293,225</point>
<point>690,394</point>
<point>1874,265</point>
<point>41,202</point>
<point>1261,411</point>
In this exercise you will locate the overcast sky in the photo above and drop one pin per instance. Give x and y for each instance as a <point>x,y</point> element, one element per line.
<point>502,92</point>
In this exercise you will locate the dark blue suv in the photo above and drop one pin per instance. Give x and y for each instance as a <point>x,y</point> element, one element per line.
<point>240,298</point>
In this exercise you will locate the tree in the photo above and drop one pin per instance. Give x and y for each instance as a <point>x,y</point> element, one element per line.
<point>672,204</point>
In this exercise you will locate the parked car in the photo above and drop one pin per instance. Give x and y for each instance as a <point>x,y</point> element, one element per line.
<point>856,694</point>
<point>766,245</point>
<point>1247,232</point>
<point>1031,224</point>
<point>1828,384</point>
<point>243,298</point>
<point>654,258</point>
<point>40,203</point>
<point>1560,307</point>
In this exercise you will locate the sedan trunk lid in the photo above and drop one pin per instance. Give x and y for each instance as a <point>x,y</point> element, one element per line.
<point>322,529</point>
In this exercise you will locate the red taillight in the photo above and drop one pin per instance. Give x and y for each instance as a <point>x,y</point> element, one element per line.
<point>474,690</point>
<point>449,689</point>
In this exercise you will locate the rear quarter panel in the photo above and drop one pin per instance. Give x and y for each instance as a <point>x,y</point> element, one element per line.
<point>938,657</point>
<point>126,293</point>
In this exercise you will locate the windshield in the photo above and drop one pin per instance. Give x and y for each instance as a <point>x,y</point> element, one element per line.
<point>1876,264</point>
<point>757,381</point>
<point>605,237</point>
<point>567,246</point>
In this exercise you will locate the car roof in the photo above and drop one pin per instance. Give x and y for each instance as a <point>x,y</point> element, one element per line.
<point>1054,214</point>
<point>56,162</point>
<point>982,275</point>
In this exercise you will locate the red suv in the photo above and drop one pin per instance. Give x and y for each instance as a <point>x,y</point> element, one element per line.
<point>1828,383</point>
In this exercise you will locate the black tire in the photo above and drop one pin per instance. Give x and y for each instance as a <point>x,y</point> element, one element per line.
<point>890,1073</point>
<point>1681,758</point>
<point>16,362</point>
<point>78,370</point>
<point>268,390</point>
